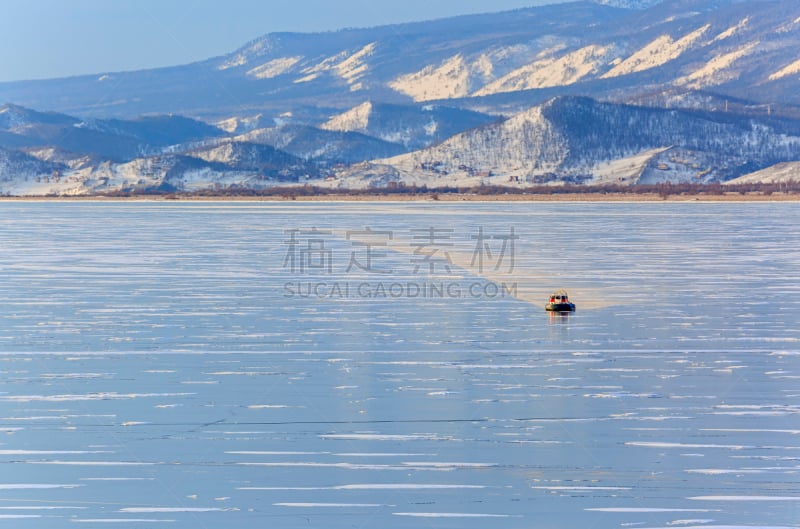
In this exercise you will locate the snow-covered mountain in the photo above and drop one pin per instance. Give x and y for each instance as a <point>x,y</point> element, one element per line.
<point>616,50</point>
<point>581,140</point>
<point>169,152</point>
<point>413,126</point>
<point>114,139</point>
<point>17,166</point>
<point>328,147</point>
<point>51,153</point>
<point>473,96</point>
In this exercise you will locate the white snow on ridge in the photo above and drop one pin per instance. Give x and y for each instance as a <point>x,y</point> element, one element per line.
<point>51,154</point>
<point>484,66</point>
<point>354,67</point>
<point>458,76</point>
<point>307,78</point>
<point>223,153</point>
<point>501,61</point>
<point>544,73</point>
<point>447,81</point>
<point>267,136</point>
<point>782,172</point>
<point>657,53</point>
<point>732,30</point>
<point>274,68</point>
<point>524,145</point>
<point>624,171</point>
<point>712,73</point>
<point>141,173</point>
<point>791,69</point>
<point>355,119</point>
<point>14,118</point>
<point>239,124</point>
<point>240,59</point>
<point>350,67</point>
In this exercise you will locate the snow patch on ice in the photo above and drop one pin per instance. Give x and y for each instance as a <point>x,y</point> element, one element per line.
<point>87,397</point>
<point>656,444</point>
<point>35,486</point>
<point>745,498</point>
<point>143,510</point>
<point>326,505</point>
<point>641,509</point>
<point>723,471</point>
<point>96,463</point>
<point>384,437</point>
<point>49,452</point>
<point>40,508</point>
<point>451,515</point>
<point>577,488</point>
<point>724,527</point>
<point>406,486</point>
<point>119,520</point>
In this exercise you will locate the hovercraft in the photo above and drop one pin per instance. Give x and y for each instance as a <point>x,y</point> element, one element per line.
<point>559,302</point>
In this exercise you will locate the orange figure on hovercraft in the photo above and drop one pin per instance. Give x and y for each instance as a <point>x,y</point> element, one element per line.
<point>559,302</point>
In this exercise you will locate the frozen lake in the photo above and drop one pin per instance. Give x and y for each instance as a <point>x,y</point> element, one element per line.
<point>379,365</point>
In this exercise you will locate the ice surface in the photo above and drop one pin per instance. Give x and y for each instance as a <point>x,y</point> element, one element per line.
<point>155,371</point>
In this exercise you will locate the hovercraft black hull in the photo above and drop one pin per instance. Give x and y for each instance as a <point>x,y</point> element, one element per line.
<point>560,307</point>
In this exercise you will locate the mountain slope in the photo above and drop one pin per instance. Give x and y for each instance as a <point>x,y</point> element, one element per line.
<point>114,139</point>
<point>681,90</point>
<point>17,167</point>
<point>347,66</point>
<point>740,48</point>
<point>413,126</point>
<point>264,160</point>
<point>327,146</point>
<point>582,140</point>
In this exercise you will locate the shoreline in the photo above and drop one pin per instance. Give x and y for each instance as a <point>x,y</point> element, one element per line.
<point>429,197</point>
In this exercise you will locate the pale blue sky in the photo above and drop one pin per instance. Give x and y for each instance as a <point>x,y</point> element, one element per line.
<point>57,38</point>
